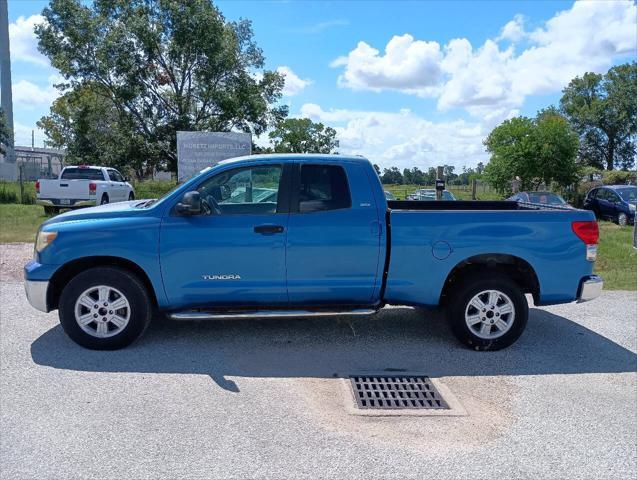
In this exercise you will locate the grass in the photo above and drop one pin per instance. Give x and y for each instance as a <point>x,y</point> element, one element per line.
<point>616,258</point>
<point>19,223</point>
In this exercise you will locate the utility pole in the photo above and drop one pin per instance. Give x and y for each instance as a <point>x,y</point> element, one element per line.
<point>6,100</point>
<point>440,182</point>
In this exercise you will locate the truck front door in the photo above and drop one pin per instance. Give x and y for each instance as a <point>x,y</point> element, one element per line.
<point>233,254</point>
<point>333,238</point>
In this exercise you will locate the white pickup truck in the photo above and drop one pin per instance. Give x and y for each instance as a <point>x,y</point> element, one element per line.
<point>82,186</point>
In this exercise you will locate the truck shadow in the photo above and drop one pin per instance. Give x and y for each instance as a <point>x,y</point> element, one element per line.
<point>397,339</point>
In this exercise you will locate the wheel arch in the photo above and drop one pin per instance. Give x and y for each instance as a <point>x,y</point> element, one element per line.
<point>516,268</point>
<point>65,273</point>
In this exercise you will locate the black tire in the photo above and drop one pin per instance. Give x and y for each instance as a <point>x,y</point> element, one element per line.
<point>124,281</point>
<point>131,196</point>
<point>104,200</point>
<point>622,219</point>
<point>459,301</point>
<point>51,210</point>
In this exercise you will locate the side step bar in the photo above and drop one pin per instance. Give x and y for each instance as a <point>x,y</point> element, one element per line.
<point>197,315</point>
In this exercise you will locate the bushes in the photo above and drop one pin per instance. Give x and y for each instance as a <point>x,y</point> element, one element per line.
<point>152,188</point>
<point>619,177</point>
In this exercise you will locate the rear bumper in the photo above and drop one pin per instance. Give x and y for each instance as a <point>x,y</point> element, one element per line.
<point>590,288</point>
<point>36,294</point>
<point>54,202</point>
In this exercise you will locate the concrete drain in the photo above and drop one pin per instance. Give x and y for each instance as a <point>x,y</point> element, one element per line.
<point>396,392</point>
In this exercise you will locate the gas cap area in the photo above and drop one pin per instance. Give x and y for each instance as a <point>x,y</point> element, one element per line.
<point>441,250</point>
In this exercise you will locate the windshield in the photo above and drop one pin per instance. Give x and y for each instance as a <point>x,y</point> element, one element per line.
<point>628,194</point>
<point>546,198</point>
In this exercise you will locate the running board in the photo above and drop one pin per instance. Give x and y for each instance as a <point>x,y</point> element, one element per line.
<point>268,314</point>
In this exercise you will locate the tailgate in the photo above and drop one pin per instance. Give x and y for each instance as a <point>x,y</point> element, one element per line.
<point>71,189</point>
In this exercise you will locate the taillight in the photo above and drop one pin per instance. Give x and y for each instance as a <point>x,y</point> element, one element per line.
<point>588,232</point>
<point>37,186</point>
<point>92,188</point>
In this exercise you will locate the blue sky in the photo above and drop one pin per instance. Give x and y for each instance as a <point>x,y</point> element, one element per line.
<point>404,83</point>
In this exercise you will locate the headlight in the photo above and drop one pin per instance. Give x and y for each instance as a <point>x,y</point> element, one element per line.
<point>44,239</point>
<point>632,207</point>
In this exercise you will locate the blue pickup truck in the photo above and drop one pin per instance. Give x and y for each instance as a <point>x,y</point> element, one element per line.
<point>306,235</point>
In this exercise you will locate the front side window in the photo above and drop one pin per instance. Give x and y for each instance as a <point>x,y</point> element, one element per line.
<point>323,187</point>
<point>115,176</point>
<point>246,191</point>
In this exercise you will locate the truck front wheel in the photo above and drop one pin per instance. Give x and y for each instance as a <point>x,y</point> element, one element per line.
<point>104,308</point>
<point>488,312</point>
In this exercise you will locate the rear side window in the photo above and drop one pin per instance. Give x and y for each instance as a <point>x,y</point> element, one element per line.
<point>82,174</point>
<point>323,187</point>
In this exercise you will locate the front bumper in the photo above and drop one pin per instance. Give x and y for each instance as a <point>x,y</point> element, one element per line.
<point>36,294</point>
<point>50,202</point>
<point>590,288</point>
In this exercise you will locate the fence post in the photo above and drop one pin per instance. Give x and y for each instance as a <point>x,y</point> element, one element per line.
<point>21,175</point>
<point>474,184</point>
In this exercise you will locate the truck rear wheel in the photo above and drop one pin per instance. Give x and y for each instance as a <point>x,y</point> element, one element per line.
<point>104,308</point>
<point>488,312</point>
<point>104,200</point>
<point>51,210</point>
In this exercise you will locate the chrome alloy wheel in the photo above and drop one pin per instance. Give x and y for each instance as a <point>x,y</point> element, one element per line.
<point>102,311</point>
<point>490,314</point>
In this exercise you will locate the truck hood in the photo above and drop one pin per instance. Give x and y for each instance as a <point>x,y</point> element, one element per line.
<point>110,210</point>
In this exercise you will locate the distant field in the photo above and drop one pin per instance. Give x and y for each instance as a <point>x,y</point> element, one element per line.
<point>616,260</point>
<point>461,192</point>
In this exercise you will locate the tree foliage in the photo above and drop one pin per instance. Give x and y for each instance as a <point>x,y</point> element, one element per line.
<point>535,151</point>
<point>5,134</point>
<point>302,135</point>
<point>603,111</point>
<point>84,123</point>
<point>161,66</point>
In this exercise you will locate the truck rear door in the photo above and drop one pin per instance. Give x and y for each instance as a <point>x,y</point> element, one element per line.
<point>333,238</point>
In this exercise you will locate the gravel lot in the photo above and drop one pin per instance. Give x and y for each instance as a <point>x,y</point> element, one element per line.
<point>265,399</point>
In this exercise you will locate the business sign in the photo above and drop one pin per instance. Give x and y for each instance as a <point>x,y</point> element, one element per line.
<point>198,150</point>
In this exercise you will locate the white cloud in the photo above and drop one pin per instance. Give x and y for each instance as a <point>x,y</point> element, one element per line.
<point>293,83</point>
<point>29,95</point>
<point>22,135</point>
<point>407,64</point>
<point>513,30</point>
<point>24,43</point>
<point>404,139</point>
<point>588,37</point>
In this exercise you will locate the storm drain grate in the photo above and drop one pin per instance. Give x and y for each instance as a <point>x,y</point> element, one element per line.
<point>396,392</point>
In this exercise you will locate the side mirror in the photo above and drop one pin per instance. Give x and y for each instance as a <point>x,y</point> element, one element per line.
<point>190,204</point>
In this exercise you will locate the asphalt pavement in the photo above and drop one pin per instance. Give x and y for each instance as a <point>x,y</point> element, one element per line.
<point>267,399</point>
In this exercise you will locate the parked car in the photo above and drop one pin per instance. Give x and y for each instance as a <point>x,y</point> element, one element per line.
<point>429,194</point>
<point>389,195</point>
<point>82,186</point>
<point>613,202</point>
<point>321,248</point>
<point>544,198</point>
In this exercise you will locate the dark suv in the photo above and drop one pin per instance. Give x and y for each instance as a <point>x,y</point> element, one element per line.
<point>613,202</point>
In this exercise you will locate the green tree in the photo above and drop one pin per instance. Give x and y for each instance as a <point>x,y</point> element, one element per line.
<point>392,176</point>
<point>4,132</point>
<point>84,123</point>
<point>164,66</point>
<point>302,135</point>
<point>377,168</point>
<point>533,151</point>
<point>603,111</point>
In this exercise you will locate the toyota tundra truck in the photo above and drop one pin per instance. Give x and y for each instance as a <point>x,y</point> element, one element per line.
<point>306,236</point>
<point>81,186</point>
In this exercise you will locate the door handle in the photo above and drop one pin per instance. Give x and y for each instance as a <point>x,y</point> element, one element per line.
<point>265,229</point>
